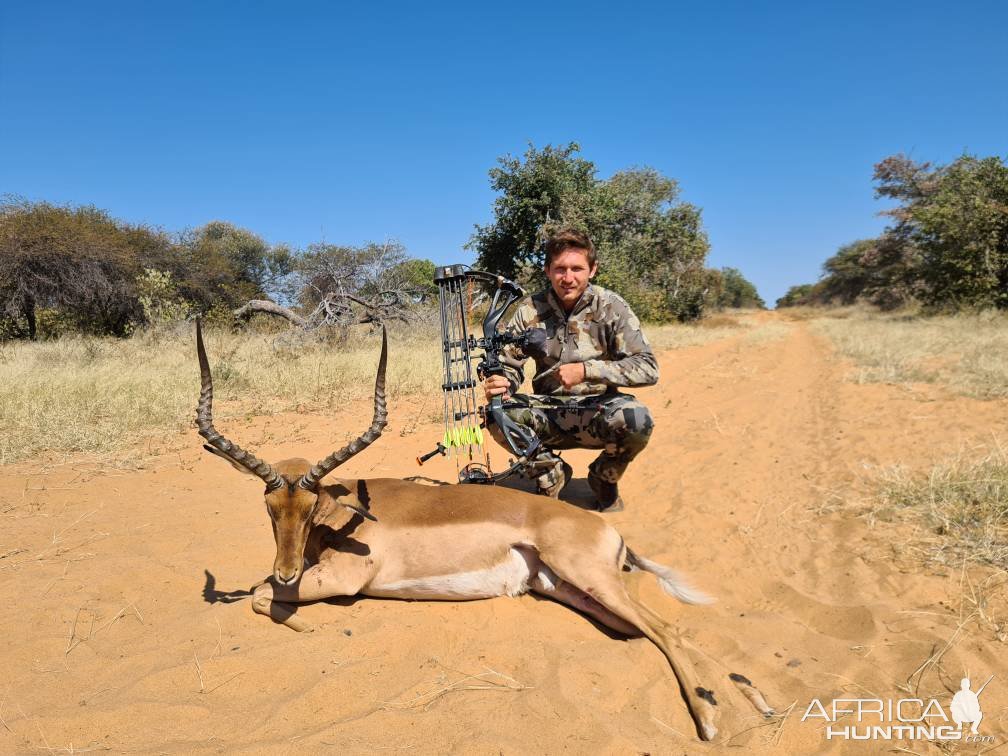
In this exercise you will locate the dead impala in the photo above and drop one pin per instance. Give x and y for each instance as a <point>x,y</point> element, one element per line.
<point>394,538</point>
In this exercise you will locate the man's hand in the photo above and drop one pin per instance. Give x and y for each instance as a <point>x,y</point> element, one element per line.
<point>571,374</point>
<point>496,384</point>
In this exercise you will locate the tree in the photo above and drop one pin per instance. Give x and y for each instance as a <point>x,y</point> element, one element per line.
<point>220,263</point>
<point>417,276</point>
<point>341,286</point>
<point>651,246</point>
<point>947,246</point>
<point>549,184</point>
<point>951,228</point>
<point>891,268</point>
<point>78,262</point>
<point>737,292</point>
<point>962,234</point>
<point>845,274</point>
<point>93,273</point>
<point>796,295</point>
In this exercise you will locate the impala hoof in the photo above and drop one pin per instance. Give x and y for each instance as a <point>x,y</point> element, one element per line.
<point>296,623</point>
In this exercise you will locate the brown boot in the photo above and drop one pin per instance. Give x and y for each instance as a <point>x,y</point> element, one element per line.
<point>554,490</point>
<point>607,494</point>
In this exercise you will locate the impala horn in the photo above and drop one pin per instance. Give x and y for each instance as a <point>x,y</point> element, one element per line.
<point>216,443</point>
<point>310,480</point>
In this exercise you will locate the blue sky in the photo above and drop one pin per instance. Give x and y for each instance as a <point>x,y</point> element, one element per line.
<point>354,122</point>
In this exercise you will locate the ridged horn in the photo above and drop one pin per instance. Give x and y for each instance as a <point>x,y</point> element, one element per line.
<point>216,443</point>
<point>310,480</point>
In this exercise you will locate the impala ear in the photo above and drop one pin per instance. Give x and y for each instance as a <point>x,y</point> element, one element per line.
<point>226,458</point>
<point>359,510</point>
<point>354,502</point>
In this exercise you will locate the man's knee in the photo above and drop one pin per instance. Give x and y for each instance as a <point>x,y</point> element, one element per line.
<point>518,412</point>
<point>626,423</point>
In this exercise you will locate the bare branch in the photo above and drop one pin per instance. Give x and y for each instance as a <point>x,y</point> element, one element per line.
<point>270,308</point>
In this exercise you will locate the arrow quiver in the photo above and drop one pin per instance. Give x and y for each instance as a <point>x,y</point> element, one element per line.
<point>465,418</point>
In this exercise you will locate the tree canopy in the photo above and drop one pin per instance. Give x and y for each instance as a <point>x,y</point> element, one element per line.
<point>947,245</point>
<point>735,291</point>
<point>651,245</point>
<point>77,268</point>
<point>222,263</point>
<point>78,263</point>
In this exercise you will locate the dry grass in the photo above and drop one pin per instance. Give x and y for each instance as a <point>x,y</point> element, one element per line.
<point>960,508</point>
<point>681,335</point>
<point>100,395</point>
<point>967,353</point>
<point>817,313</point>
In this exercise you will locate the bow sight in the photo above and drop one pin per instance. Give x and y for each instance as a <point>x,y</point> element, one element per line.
<point>464,417</point>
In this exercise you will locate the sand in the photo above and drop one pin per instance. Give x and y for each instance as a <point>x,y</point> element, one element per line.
<point>128,628</point>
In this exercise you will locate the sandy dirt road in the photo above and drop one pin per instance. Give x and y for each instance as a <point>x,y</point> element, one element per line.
<point>126,626</point>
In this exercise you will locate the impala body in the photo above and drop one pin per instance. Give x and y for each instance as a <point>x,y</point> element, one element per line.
<point>394,538</point>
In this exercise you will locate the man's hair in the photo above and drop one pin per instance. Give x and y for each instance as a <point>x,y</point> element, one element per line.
<point>569,238</point>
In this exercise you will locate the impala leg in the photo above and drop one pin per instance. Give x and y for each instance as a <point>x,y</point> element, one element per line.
<point>700,700</point>
<point>605,585</point>
<point>264,602</point>
<point>320,581</point>
<point>547,583</point>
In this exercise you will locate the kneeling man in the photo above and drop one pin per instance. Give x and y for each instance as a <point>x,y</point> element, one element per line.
<point>594,346</point>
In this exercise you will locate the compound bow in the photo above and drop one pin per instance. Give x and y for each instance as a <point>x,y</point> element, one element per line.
<point>464,417</point>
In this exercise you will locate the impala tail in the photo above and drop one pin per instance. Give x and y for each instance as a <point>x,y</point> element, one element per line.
<point>671,581</point>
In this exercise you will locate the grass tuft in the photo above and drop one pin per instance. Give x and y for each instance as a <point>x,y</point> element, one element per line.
<point>961,505</point>
<point>968,353</point>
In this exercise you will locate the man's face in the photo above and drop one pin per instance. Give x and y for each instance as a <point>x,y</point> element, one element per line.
<point>569,274</point>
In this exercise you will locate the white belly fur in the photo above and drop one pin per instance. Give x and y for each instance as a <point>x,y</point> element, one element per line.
<point>507,578</point>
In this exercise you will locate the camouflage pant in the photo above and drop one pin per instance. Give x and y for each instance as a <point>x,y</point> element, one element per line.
<point>616,423</point>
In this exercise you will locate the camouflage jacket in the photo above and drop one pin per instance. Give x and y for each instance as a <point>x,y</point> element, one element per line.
<point>601,331</point>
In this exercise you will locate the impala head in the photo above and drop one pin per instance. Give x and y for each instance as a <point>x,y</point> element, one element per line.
<point>292,486</point>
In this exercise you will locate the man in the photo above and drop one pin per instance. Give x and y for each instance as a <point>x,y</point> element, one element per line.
<point>594,346</point>
<point>966,706</point>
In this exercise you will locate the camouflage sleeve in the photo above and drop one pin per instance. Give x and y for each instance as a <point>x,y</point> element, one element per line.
<point>512,357</point>
<point>632,363</point>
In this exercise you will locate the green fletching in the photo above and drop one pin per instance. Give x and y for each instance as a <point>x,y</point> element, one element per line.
<point>468,435</point>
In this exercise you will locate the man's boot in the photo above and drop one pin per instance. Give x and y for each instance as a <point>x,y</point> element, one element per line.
<point>560,479</point>
<point>606,493</point>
